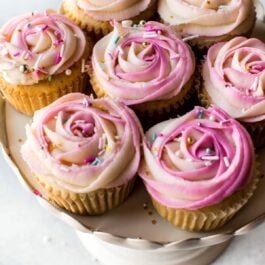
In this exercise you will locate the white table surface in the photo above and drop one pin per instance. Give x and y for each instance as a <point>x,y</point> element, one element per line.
<point>29,235</point>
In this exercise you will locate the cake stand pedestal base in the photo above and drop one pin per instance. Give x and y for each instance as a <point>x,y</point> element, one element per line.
<point>112,254</point>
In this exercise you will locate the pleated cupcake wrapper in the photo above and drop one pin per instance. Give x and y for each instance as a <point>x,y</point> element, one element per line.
<point>257,133</point>
<point>29,98</point>
<point>200,46</point>
<point>208,218</point>
<point>88,24</point>
<point>91,203</point>
<point>95,27</point>
<point>154,112</point>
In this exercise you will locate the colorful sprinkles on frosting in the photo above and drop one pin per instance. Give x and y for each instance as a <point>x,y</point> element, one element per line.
<point>201,114</point>
<point>208,151</point>
<point>96,162</point>
<point>154,136</point>
<point>86,103</point>
<point>117,39</point>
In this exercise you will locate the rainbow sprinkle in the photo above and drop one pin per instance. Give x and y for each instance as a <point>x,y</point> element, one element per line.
<point>58,42</point>
<point>62,51</point>
<point>96,162</point>
<point>117,39</point>
<point>58,58</point>
<point>210,158</point>
<point>86,103</point>
<point>149,144</point>
<point>208,151</point>
<point>16,54</point>
<point>142,22</point>
<point>89,159</point>
<point>226,161</point>
<point>110,55</point>
<point>212,118</point>
<point>44,27</point>
<point>150,34</point>
<point>37,193</point>
<point>201,114</point>
<point>154,136</point>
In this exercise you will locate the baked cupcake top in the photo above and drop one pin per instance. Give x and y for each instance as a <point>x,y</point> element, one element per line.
<point>234,78</point>
<point>35,46</point>
<point>136,64</point>
<point>208,17</point>
<point>196,160</point>
<point>105,10</point>
<point>83,144</point>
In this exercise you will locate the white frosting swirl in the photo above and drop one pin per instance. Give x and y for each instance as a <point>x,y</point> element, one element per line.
<point>208,17</point>
<point>37,45</point>
<point>234,78</point>
<point>83,144</point>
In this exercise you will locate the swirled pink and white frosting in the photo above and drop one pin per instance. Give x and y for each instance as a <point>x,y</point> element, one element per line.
<point>196,160</point>
<point>105,10</point>
<point>234,78</point>
<point>82,144</point>
<point>143,63</point>
<point>35,46</point>
<point>209,18</point>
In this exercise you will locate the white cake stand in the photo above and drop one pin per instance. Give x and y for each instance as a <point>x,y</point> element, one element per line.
<point>133,234</point>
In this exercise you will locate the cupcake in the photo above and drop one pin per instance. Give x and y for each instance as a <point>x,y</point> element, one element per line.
<point>208,21</point>
<point>198,169</point>
<point>84,152</point>
<point>234,79</point>
<point>95,16</point>
<point>146,67</point>
<point>41,59</point>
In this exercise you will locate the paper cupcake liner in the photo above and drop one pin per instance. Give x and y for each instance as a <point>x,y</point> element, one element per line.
<point>153,112</point>
<point>29,98</point>
<point>201,45</point>
<point>150,113</point>
<point>257,133</point>
<point>96,27</point>
<point>203,96</point>
<point>91,203</point>
<point>208,218</point>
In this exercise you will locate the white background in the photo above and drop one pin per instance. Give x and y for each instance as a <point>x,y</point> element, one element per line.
<point>29,235</point>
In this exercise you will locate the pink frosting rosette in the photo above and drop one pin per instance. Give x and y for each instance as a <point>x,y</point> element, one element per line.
<point>196,160</point>
<point>137,64</point>
<point>105,10</point>
<point>82,144</point>
<point>208,18</point>
<point>37,45</point>
<point>234,78</point>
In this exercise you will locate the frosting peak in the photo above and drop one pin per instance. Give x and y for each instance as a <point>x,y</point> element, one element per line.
<point>208,18</point>
<point>142,63</point>
<point>37,45</point>
<point>196,160</point>
<point>83,144</point>
<point>234,78</point>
